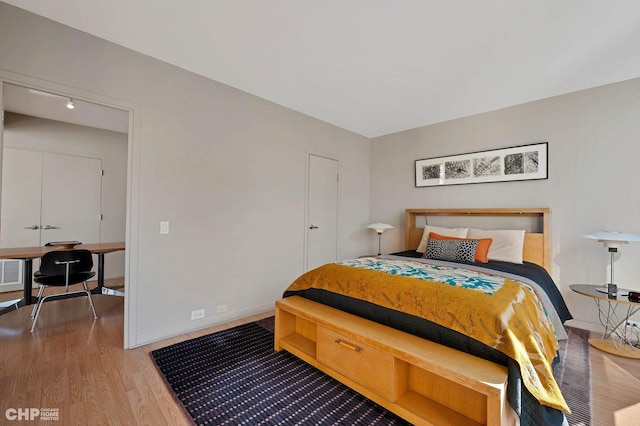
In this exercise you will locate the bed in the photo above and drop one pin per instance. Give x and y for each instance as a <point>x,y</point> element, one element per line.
<point>447,335</point>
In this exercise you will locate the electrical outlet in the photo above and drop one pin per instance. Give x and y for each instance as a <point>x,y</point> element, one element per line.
<point>197,314</point>
<point>221,308</point>
<point>632,323</point>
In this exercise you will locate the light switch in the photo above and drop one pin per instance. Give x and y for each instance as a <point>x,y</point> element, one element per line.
<point>164,227</point>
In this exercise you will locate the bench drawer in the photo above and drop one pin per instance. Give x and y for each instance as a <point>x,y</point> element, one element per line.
<point>364,364</point>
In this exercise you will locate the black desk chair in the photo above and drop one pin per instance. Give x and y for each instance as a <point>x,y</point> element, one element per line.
<point>61,269</point>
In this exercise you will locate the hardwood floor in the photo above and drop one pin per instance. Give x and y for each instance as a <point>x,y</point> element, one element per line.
<point>79,367</point>
<point>615,383</point>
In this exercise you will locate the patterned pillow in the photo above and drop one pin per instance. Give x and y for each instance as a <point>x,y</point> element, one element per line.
<point>452,250</point>
<point>482,251</point>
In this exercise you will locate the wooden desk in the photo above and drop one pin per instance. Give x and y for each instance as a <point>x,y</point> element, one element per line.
<point>29,253</point>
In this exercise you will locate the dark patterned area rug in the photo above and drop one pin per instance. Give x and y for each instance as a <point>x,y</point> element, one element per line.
<point>234,377</point>
<point>573,374</point>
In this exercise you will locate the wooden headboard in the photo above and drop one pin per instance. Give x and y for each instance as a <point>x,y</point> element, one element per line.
<point>537,245</point>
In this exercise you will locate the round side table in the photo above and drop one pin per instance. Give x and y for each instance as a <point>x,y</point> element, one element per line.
<point>614,312</point>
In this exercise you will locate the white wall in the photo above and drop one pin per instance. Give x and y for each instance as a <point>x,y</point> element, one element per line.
<point>594,174</point>
<point>225,168</point>
<point>25,132</point>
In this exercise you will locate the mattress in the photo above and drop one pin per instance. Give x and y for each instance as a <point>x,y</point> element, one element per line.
<point>531,412</point>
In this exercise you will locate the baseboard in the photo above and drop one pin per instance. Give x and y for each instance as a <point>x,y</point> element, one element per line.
<point>143,339</point>
<point>585,325</point>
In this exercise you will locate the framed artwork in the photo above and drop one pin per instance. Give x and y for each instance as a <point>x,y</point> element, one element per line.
<point>524,162</point>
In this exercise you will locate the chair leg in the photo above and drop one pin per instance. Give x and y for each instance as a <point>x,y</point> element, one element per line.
<point>33,311</point>
<point>86,289</point>
<point>39,308</point>
<point>41,300</point>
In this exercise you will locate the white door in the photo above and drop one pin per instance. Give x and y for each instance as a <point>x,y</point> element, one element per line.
<point>21,204</point>
<point>322,220</point>
<point>71,193</point>
<point>49,197</point>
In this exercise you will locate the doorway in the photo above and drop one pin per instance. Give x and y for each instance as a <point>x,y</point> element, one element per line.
<point>64,153</point>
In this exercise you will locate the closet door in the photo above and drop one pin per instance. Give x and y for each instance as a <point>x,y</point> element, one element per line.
<point>21,187</point>
<point>49,197</point>
<point>71,193</point>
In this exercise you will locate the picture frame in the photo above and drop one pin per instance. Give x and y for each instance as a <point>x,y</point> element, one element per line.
<point>517,163</point>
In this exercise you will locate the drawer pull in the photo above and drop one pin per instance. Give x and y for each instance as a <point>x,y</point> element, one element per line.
<point>348,345</point>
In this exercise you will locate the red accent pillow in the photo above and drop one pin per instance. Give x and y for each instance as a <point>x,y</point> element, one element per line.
<point>481,252</point>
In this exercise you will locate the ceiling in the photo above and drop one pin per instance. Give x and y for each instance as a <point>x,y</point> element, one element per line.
<point>51,106</point>
<point>377,66</point>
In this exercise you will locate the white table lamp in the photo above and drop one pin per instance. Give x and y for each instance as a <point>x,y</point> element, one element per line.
<point>379,228</point>
<point>612,241</point>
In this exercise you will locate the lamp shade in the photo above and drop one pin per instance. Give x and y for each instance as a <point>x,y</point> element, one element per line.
<point>379,227</point>
<point>613,239</point>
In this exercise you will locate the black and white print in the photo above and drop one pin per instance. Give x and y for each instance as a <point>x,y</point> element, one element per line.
<point>523,162</point>
<point>486,166</point>
<point>431,172</point>
<point>457,169</point>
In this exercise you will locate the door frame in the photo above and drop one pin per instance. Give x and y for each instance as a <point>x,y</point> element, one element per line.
<point>305,247</point>
<point>133,184</point>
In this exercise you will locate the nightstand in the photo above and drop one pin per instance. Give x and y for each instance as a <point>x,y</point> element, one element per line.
<point>613,312</point>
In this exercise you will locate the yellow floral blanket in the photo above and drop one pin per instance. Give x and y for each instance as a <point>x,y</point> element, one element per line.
<point>510,320</point>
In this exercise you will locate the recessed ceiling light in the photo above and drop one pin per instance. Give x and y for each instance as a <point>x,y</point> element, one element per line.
<point>71,104</point>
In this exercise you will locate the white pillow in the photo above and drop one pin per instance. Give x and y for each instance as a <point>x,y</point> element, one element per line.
<point>447,232</point>
<point>507,245</point>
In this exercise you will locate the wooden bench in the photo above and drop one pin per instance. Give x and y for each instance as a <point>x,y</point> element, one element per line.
<point>419,380</point>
